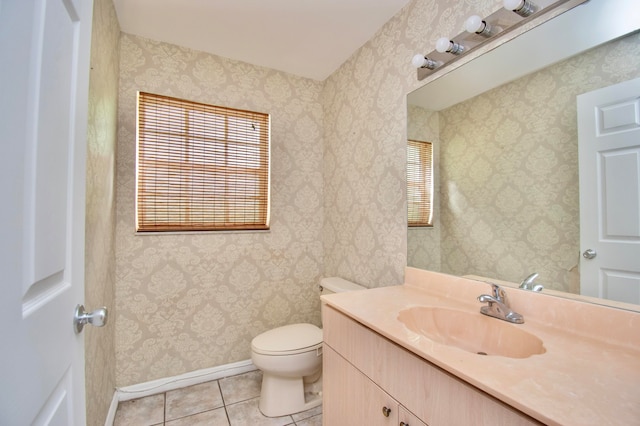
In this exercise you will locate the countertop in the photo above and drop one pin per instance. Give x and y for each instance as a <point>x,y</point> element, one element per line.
<point>589,374</point>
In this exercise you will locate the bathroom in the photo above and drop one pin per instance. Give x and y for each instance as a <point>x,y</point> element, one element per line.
<point>183,303</point>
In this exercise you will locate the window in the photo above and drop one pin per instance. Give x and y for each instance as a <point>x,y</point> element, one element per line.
<point>420,183</point>
<point>200,167</point>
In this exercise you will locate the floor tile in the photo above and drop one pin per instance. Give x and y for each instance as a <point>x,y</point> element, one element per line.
<point>140,412</point>
<point>203,404</point>
<point>247,413</point>
<point>306,414</point>
<point>193,400</point>
<point>311,421</point>
<point>242,387</point>
<point>217,417</point>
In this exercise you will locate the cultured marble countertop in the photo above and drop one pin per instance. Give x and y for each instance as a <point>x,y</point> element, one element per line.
<point>589,374</point>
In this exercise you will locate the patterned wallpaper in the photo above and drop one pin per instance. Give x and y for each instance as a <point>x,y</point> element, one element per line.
<point>509,169</point>
<point>187,302</point>
<point>423,244</point>
<point>100,350</point>
<point>365,228</point>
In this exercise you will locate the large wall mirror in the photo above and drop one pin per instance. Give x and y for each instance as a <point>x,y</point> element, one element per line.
<point>506,193</point>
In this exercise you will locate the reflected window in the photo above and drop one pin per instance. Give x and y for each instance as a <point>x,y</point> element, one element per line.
<point>420,183</point>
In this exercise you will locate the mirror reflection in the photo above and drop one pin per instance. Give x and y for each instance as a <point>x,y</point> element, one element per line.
<point>506,199</point>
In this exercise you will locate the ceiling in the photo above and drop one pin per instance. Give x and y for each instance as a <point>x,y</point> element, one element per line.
<point>309,38</point>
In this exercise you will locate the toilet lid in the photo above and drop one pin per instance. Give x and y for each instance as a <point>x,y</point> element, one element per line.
<point>288,339</point>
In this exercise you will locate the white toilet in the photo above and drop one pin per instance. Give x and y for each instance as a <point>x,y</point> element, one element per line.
<point>290,356</point>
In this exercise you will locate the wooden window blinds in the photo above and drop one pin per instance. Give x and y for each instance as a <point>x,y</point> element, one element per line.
<point>420,183</point>
<point>200,167</point>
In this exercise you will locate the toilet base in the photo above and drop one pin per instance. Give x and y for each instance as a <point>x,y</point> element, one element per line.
<point>281,396</point>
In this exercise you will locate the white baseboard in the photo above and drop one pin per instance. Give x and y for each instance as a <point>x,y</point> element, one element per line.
<point>183,380</point>
<point>111,414</point>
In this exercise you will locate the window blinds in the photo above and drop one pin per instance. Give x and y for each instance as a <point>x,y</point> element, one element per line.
<point>200,167</point>
<point>419,183</point>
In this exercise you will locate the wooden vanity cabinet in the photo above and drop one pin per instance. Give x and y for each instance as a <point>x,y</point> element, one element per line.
<point>364,372</point>
<point>351,398</point>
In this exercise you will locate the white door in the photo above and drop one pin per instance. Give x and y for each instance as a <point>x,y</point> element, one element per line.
<point>44,66</point>
<point>609,155</point>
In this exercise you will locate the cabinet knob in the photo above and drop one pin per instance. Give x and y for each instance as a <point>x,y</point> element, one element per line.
<point>404,424</point>
<point>386,411</point>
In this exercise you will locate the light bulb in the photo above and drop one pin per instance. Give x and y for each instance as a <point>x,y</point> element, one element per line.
<point>418,61</point>
<point>421,61</point>
<point>523,8</point>
<point>442,44</point>
<point>513,4</point>
<point>474,24</point>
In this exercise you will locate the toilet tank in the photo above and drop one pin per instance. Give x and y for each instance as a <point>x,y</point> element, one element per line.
<point>332,285</point>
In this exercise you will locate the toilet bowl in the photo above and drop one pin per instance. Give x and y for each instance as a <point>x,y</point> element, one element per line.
<point>286,355</point>
<point>290,356</point>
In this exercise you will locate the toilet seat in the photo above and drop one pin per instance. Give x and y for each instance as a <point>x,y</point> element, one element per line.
<point>288,340</point>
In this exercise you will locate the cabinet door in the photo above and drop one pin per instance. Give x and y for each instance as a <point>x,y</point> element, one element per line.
<point>408,419</point>
<point>350,398</point>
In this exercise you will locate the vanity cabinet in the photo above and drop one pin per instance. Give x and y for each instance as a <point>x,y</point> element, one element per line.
<point>351,398</point>
<point>364,372</point>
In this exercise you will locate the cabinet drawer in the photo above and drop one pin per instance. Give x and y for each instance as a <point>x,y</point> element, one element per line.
<point>350,398</point>
<point>435,396</point>
<point>408,419</point>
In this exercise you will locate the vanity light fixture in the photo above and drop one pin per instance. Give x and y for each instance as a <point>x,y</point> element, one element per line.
<point>421,61</point>
<point>449,46</point>
<point>523,8</point>
<point>475,24</point>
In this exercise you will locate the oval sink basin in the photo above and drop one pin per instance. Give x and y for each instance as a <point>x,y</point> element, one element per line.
<point>472,332</point>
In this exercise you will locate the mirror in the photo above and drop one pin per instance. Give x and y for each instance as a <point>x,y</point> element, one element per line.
<point>506,200</point>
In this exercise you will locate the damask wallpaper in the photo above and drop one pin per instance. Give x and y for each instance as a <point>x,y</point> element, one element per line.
<point>423,243</point>
<point>509,171</point>
<point>186,302</point>
<point>365,228</point>
<point>100,352</point>
<point>192,301</point>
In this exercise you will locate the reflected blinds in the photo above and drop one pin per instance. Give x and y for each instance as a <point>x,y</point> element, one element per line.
<point>200,167</point>
<point>420,183</point>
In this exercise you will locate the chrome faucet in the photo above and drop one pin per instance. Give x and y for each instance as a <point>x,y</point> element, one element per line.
<point>528,283</point>
<point>498,305</point>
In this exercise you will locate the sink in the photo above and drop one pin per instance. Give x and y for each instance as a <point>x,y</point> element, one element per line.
<point>471,331</point>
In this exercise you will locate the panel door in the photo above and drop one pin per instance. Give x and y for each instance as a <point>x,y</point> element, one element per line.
<point>609,155</point>
<point>44,45</point>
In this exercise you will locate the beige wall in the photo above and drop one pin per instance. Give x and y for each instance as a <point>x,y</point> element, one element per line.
<point>423,243</point>
<point>509,171</point>
<point>100,358</point>
<point>365,229</point>
<point>187,302</point>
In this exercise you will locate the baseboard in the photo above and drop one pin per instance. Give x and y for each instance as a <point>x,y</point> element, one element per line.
<point>111,414</point>
<point>183,380</point>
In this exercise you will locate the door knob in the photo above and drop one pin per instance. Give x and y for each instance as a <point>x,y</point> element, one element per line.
<point>97,318</point>
<point>589,254</point>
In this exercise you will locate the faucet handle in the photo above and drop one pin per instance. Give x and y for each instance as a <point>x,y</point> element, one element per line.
<point>529,284</point>
<point>498,292</point>
<point>498,305</point>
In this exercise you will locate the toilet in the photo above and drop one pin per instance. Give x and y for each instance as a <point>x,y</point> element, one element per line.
<point>290,356</point>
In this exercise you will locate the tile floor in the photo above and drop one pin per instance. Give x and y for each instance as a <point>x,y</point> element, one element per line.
<point>232,401</point>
